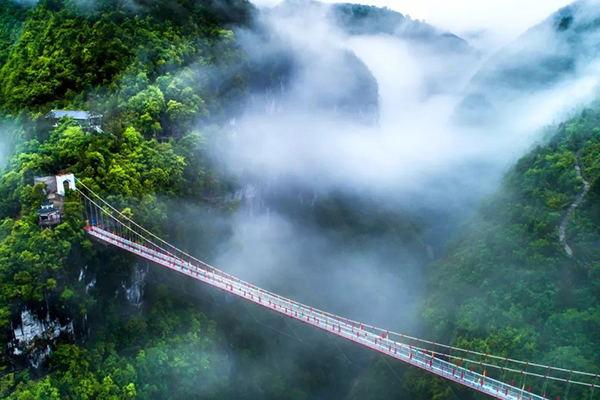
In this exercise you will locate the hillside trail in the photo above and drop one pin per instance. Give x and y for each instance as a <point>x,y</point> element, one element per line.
<point>562,231</point>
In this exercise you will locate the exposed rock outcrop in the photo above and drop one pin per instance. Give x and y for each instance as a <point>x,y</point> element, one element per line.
<point>34,338</point>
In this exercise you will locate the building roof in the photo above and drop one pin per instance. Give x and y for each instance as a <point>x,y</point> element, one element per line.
<point>47,207</point>
<point>78,115</point>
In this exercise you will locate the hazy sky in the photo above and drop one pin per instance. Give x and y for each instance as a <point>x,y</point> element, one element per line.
<point>505,19</point>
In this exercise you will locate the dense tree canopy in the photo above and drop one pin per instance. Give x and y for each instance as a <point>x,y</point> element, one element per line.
<point>155,69</point>
<point>506,285</point>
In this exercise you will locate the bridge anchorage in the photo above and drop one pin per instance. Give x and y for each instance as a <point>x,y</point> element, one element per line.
<point>512,379</point>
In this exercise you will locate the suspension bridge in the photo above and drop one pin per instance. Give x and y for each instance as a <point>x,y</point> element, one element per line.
<point>513,379</point>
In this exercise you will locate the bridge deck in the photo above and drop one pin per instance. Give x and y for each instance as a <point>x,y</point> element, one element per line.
<point>377,340</point>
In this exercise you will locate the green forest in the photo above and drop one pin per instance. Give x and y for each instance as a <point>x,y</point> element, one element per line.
<point>506,286</point>
<point>157,70</point>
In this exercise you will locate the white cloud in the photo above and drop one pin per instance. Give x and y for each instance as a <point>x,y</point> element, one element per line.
<point>413,144</point>
<point>412,161</point>
<point>504,20</point>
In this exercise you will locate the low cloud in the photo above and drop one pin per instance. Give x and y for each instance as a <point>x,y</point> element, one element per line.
<point>413,141</point>
<point>489,24</point>
<point>413,160</point>
<point>10,132</point>
<point>275,252</point>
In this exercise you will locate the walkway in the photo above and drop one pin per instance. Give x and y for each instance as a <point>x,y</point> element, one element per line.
<point>465,367</point>
<point>562,230</point>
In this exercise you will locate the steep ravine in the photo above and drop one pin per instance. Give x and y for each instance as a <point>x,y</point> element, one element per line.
<point>562,231</point>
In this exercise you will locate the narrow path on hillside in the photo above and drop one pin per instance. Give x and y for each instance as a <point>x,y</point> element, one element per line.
<point>562,231</point>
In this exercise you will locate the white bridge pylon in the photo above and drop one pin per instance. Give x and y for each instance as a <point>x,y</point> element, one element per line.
<point>109,226</point>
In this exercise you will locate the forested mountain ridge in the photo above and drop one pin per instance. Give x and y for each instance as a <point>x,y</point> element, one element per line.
<point>506,286</point>
<point>514,289</point>
<point>58,276</point>
<point>71,323</point>
<point>358,19</point>
<point>442,55</point>
<point>131,62</point>
<point>161,72</point>
<point>560,48</point>
<point>139,67</point>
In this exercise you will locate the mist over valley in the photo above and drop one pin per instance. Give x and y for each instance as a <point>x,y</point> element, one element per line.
<point>439,184</point>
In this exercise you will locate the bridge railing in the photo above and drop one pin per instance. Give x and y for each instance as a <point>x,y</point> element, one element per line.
<point>347,329</point>
<point>108,225</point>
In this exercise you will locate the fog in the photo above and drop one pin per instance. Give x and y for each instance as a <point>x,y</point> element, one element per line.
<point>410,175</point>
<point>413,142</point>
<point>288,152</point>
<point>288,149</point>
<point>26,2</point>
<point>9,134</point>
<point>487,24</point>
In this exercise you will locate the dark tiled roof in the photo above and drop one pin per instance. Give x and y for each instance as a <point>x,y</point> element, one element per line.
<point>48,210</point>
<point>47,207</point>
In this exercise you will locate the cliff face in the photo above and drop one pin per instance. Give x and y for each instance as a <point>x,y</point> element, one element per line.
<point>38,328</point>
<point>34,337</point>
<point>293,72</point>
<point>422,40</point>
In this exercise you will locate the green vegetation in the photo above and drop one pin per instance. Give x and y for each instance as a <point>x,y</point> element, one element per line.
<point>170,351</point>
<point>505,286</point>
<point>152,70</point>
<point>363,19</point>
<point>359,19</point>
<point>12,17</point>
<point>41,265</point>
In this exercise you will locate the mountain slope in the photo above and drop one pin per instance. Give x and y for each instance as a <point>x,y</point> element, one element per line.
<point>514,288</point>
<point>559,48</point>
<point>358,19</point>
<point>12,16</point>
<point>70,55</point>
<point>162,70</point>
<point>160,73</point>
<point>507,286</point>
